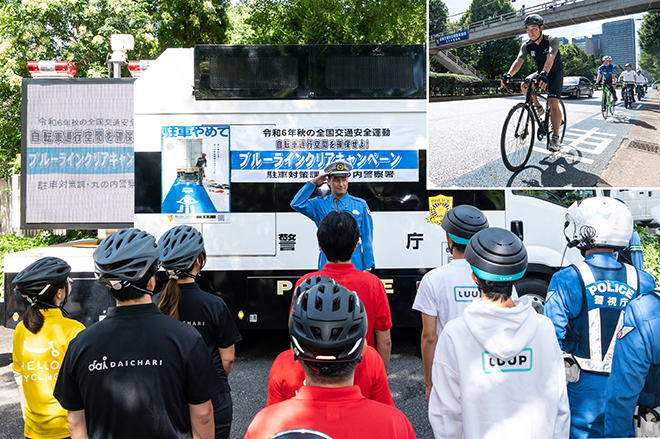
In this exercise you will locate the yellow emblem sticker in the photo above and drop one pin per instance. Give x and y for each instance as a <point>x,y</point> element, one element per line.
<point>438,208</point>
<point>340,167</point>
<point>355,212</point>
<point>15,317</point>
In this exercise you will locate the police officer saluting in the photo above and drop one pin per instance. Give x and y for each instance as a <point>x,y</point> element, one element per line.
<point>336,174</point>
<point>586,302</point>
<point>137,373</point>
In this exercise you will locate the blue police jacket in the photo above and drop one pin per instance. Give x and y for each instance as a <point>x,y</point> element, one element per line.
<point>317,208</point>
<point>636,352</point>
<point>567,307</point>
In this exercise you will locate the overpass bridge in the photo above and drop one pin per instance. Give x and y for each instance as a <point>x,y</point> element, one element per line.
<point>556,14</point>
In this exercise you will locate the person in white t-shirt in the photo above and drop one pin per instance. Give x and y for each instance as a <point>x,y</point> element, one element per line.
<point>446,291</point>
<point>628,78</point>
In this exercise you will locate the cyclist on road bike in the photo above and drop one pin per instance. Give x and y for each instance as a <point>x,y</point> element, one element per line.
<point>607,72</point>
<point>640,81</point>
<point>544,50</point>
<point>628,77</point>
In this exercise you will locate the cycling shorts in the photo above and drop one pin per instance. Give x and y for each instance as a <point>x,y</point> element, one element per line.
<point>555,84</point>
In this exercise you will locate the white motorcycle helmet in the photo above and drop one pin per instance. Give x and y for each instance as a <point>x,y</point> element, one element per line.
<point>598,222</point>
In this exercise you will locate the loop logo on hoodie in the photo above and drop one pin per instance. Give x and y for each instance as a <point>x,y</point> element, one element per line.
<point>520,363</point>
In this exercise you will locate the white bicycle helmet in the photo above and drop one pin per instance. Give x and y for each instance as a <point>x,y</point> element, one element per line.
<point>607,58</point>
<point>598,222</point>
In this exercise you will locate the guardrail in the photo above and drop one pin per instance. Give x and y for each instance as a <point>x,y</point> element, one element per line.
<point>511,15</point>
<point>462,64</point>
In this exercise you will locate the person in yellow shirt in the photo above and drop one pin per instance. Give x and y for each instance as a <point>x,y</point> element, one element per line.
<point>40,342</point>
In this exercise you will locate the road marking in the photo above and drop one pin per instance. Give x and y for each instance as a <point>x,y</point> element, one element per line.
<point>564,152</point>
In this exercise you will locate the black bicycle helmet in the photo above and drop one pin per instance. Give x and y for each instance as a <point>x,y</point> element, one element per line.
<point>307,284</point>
<point>328,324</point>
<point>496,254</point>
<point>534,19</point>
<point>628,65</point>
<point>37,277</point>
<point>179,248</point>
<point>300,433</point>
<point>125,255</point>
<point>462,222</point>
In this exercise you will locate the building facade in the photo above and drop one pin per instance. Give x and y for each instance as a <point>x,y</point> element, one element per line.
<point>619,41</point>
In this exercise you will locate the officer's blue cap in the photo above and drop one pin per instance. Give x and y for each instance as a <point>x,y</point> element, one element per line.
<point>339,168</point>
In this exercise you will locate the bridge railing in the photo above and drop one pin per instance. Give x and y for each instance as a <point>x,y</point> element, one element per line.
<point>511,16</point>
<point>462,64</point>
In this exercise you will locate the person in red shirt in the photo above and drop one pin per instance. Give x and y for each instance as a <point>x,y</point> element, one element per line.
<point>327,328</point>
<point>337,237</point>
<point>287,375</point>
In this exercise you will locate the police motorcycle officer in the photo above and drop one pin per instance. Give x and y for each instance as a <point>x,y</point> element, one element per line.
<point>327,329</point>
<point>182,256</point>
<point>336,175</point>
<point>544,50</point>
<point>42,337</point>
<point>500,360</point>
<point>447,290</point>
<point>586,302</point>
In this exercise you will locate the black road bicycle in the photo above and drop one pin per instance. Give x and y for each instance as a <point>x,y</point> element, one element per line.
<point>520,128</point>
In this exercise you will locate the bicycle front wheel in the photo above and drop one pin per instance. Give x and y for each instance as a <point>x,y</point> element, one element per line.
<point>517,137</point>
<point>604,108</point>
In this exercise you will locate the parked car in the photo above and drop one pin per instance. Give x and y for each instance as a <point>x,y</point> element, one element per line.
<point>577,86</point>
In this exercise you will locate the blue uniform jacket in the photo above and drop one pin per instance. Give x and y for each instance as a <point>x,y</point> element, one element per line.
<point>636,349</point>
<point>565,291</point>
<point>317,208</point>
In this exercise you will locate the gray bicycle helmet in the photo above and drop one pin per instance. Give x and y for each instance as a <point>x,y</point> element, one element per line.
<point>328,324</point>
<point>534,19</point>
<point>496,254</point>
<point>462,222</point>
<point>300,433</point>
<point>628,65</point>
<point>179,248</point>
<point>607,58</point>
<point>36,278</point>
<point>125,255</point>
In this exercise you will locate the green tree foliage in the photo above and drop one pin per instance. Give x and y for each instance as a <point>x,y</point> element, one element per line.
<point>79,31</point>
<point>649,42</point>
<point>491,58</point>
<point>577,62</point>
<point>337,22</point>
<point>437,17</point>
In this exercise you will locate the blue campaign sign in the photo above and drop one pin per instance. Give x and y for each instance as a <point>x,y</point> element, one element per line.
<point>452,38</point>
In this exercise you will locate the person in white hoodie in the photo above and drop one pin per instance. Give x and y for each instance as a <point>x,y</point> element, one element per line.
<point>498,370</point>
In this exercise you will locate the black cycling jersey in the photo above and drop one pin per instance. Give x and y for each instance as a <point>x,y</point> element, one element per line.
<point>134,374</point>
<point>549,46</point>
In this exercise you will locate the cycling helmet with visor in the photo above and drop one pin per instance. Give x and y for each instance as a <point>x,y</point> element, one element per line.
<point>179,248</point>
<point>534,19</point>
<point>328,324</point>
<point>125,257</point>
<point>496,254</point>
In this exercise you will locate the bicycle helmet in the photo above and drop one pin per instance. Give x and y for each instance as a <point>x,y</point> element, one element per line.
<point>37,277</point>
<point>307,284</point>
<point>462,222</point>
<point>496,254</point>
<point>125,255</point>
<point>328,324</point>
<point>179,248</point>
<point>628,65</point>
<point>534,19</point>
<point>300,433</point>
<point>599,222</point>
<point>607,58</point>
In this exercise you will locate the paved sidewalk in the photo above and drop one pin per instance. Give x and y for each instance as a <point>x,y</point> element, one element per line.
<point>626,164</point>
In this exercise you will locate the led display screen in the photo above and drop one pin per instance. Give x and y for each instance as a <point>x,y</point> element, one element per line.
<point>77,161</point>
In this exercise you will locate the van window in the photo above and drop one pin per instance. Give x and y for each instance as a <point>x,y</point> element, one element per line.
<point>561,197</point>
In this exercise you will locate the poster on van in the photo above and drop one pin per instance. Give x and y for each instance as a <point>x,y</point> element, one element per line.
<point>195,172</point>
<point>263,154</point>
